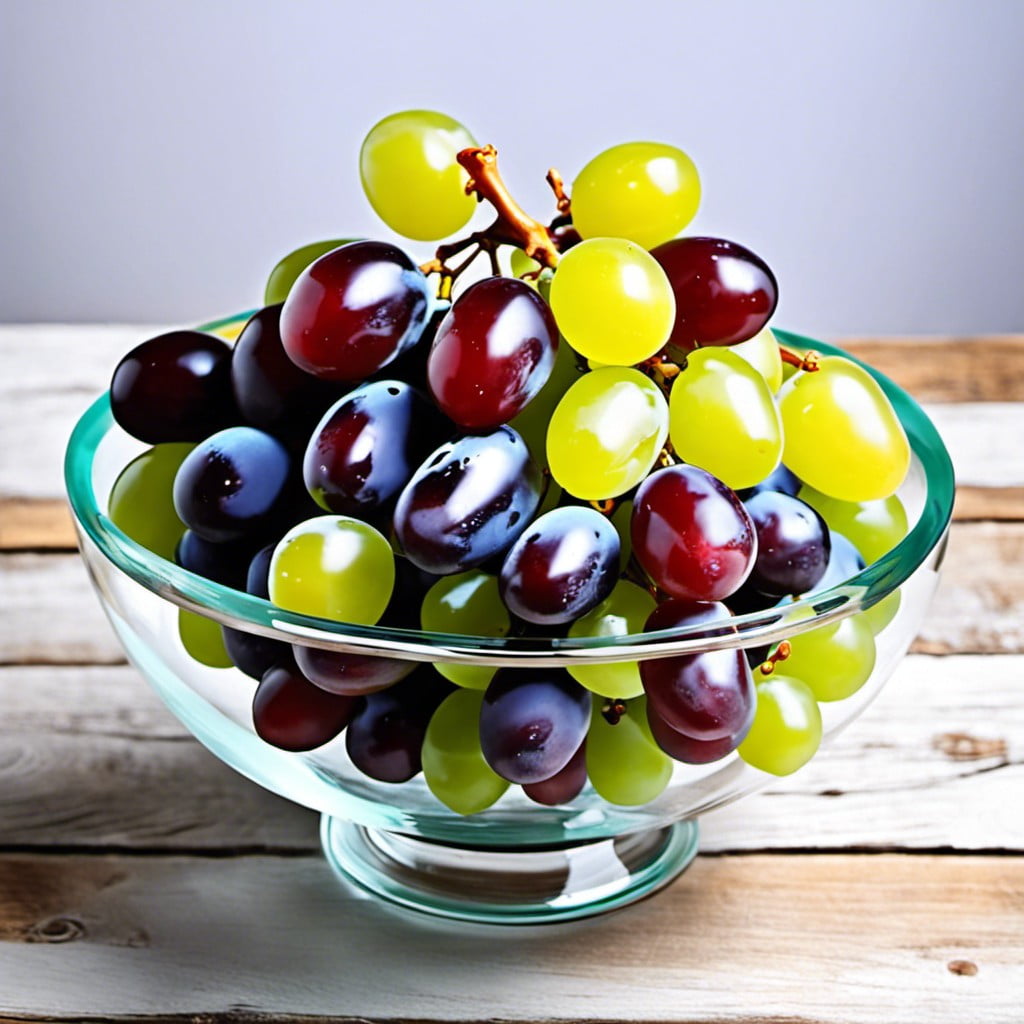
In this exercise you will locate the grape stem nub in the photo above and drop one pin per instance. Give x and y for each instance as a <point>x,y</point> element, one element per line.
<point>807,361</point>
<point>781,653</point>
<point>613,710</point>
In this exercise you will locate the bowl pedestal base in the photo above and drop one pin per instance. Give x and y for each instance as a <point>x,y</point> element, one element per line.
<point>531,885</point>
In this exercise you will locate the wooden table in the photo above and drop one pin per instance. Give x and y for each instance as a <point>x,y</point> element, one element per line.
<point>142,878</point>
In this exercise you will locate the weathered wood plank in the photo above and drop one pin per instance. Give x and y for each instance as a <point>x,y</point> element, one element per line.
<point>837,938</point>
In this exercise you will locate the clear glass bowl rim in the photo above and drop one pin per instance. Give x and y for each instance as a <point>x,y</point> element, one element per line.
<point>252,614</point>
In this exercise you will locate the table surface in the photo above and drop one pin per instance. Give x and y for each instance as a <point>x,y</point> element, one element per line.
<point>142,878</point>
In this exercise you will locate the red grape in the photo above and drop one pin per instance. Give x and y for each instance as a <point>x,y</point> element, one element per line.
<point>793,544</point>
<point>564,785</point>
<point>290,713</point>
<point>685,748</point>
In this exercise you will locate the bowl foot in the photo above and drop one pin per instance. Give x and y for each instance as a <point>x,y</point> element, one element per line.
<point>504,885</point>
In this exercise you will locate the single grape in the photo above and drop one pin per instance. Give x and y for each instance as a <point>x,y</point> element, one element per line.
<point>622,519</point>
<point>335,568</point>
<point>874,527</point>
<point>692,535</point>
<point>681,747</point>
<point>612,301</point>
<point>385,737</point>
<point>226,564</point>
<point>174,387</point>
<point>835,660</point>
<point>844,561</point>
<point>367,446</point>
<point>626,766</point>
<point>469,604</point>
<point>520,265</point>
<point>762,352</point>
<point>201,637</point>
<point>453,763</point>
<point>290,713</point>
<point>411,177</point>
<point>141,501</point>
<point>786,732</point>
<point>843,437</point>
<point>532,422</point>
<point>565,785</point>
<point>793,544</point>
<point>469,501</point>
<point>644,191</point>
<point>723,419</point>
<point>724,293</point>
<point>288,268</point>
<point>708,695</point>
<point>493,352</point>
<point>532,722</point>
<point>234,484</point>
<point>607,433</point>
<point>624,611</point>
<point>881,613</point>
<point>352,311</point>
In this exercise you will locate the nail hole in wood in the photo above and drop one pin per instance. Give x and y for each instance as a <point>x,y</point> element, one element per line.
<point>966,968</point>
<point>56,929</point>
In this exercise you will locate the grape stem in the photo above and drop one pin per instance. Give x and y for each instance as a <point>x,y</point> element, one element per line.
<point>613,710</point>
<point>781,653</point>
<point>806,361</point>
<point>557,183</point>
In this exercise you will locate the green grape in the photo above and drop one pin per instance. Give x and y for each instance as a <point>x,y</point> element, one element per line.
<point>624,763</point>
<point>466,603</point>
<point>453,764</point>
<point>288,268</point>
<point>623,611</point>
<point>141,502</point>
<point>786,732</point>
<point>722,418</point>
<point>873,527</point>
<point>836,660</point>
<point>203,639</point>
<point>622,519</point>
<point>612,301</point>
<point>521,264</point>
<point>762,352</point>
<point>842,435</point>
<point>606,433</point>
<point>644,191</point>
<point>880,614</point>
<point>411,177</point>
<point>532,422</point>
<point>333,567</point>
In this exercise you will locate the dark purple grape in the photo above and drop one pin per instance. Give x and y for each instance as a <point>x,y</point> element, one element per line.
<point>707,696</point>
<point>724,293</point>
<point>368,445</point>
<point>686,748</point>
<point>272,393</point>
<point>226,564</point>
<point>793,544</point>
<point>532,722</point>
<point>469,501</point>
<point>566,563</point>
<point>353,310</point>
<point>290,713</point>
<point>564,785</point>
<point>234,484</point>
<point>493,352</point>
<point>254,654</point>
<point>175,387</point>
<point>385,737</point>
<point>781,479</point>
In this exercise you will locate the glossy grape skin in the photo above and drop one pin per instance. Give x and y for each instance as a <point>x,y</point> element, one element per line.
<point>409,172</point>
<point>762,353</point>
<point>354,310</point>
<point>644,191</point>
<point>565,785</point>
<point>201,637</point>
<point>251,653</point>
<point>565,564</point>
<point>290,713</point>
<point>707,696</point>
<point>606,433</point>
<point>844,561</point>
<point>454,767</point>
<point>532,422</point>
<point>469,604</point>
<point>686,749</point>
<point>843,437</point>
<point>141,502</point>
<point>625,765</point>
<point>234,484</point>
<point>174,387</point>
<point>367,446</point>
<point>612,301</point>
<point>226,564</point>
<point>469,501</point>
<point>271,392</point>
<point>781,479</point>
<point>493,352</point>
<point>873,527</point>
<point>724,293</point>
<point>333,567</point>
<point>793,544</point>
<point>834,660</point>
<point>288,268</point>
<point>723,419</point>
<point>786,731</point>
<point>384,740</point>
<point>692,535</point>
<point>624,611</point>
<point>532,722</point>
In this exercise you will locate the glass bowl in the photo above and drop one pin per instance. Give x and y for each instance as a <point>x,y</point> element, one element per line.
<point>517,862</point>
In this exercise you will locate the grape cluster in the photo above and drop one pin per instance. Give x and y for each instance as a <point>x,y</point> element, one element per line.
<point>604,441</point>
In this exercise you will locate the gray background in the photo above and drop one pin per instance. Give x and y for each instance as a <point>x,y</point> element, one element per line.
<point>158,157</point>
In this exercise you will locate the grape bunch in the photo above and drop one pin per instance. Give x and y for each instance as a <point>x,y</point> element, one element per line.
<point>597,436</point>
